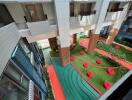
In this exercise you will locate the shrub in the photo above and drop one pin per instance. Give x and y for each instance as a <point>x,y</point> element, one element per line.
<point>111,49</point>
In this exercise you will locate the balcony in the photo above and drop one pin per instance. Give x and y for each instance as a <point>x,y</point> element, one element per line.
<point>22,60</point>
<point>112,16</point>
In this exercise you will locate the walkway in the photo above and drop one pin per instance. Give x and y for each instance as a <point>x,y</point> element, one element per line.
<point>122,62</point>
<point>75,88</point>
<point>84,43</point>
<point>57,89</point>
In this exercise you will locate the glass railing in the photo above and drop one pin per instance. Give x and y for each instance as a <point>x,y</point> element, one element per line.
<point>22,60</point>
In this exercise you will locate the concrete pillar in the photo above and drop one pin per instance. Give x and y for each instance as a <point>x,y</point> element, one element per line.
<point>101,10</point>
<point>117,24</point>
<point>53,43</point>
<point>62,14</point>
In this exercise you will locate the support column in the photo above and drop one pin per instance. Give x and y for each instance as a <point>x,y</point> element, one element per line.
<point>101,10</point>
<point>63,15</point>
<point>112,35</point>
<point>74,38</point>
<point>118,24</point>
<point>53,43</point>
<point>93,41</point>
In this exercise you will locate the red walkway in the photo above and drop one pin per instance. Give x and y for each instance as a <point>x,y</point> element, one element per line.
<point>56,86</point>
<point>122,62</point>
<point>84,43</point>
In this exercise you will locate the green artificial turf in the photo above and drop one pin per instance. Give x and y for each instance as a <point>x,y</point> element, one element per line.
<point>54,53</point>
<point>127,53</point>
<point>121,53</point>
<point>99,75</point>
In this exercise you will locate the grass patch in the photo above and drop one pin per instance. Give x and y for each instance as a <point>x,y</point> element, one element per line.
<point>99,75</point>
<point>54,53</point>
<point>47,80</point>
<point>127,53</point>
<point>121,53</point>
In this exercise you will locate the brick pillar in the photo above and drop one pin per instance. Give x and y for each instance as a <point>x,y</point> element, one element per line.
<point>65,55</point>
<point>74,38</point>
<point>112,35</point>
<point>53,43</point>
<point>93,41</point>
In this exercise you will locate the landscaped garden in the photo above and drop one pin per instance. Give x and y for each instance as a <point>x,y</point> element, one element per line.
<point>102,72</point>
<point>98,70</point>
<point>116,51</point>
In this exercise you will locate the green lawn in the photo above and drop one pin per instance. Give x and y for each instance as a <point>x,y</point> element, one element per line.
<point>121,53</point>
<point>99,75</point>
<point>127,53</point>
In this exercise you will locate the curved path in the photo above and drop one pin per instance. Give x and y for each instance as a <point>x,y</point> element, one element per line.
<point>122,62</point>
<point>74,87</point>
<point>84,43</point>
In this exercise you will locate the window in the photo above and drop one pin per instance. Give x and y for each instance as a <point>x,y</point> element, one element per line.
<point>72,9</point>
<point>114,7</point>
<point>86,8</point>
<point>13,84</point>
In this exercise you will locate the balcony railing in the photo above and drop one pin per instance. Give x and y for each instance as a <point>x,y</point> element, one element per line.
<point>113,16</point>
<point>22,60</point>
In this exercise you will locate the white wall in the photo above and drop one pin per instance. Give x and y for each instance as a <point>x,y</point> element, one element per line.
<point>9,37</point>
<point>41,27</point>
<point>16,12</point>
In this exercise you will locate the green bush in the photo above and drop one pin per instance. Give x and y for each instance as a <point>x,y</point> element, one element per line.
<point>109,60</point>
<point>111,49</point>
<point>50,93</point>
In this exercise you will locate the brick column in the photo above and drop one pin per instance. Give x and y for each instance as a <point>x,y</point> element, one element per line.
<point>65,55</point>
<point>63,15</point>
<point>93,41</point>
<point>53,43</point>
<point>74,38</point>
<point>112,35</point>
<point>101,10</point>
<point>118,24</point>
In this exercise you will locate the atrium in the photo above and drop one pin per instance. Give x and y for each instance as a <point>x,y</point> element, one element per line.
<point>65,49</point>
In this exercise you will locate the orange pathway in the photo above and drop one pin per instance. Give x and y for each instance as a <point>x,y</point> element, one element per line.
<point>84,43</point>
<point>124,63</point>
<point>56,86</point>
